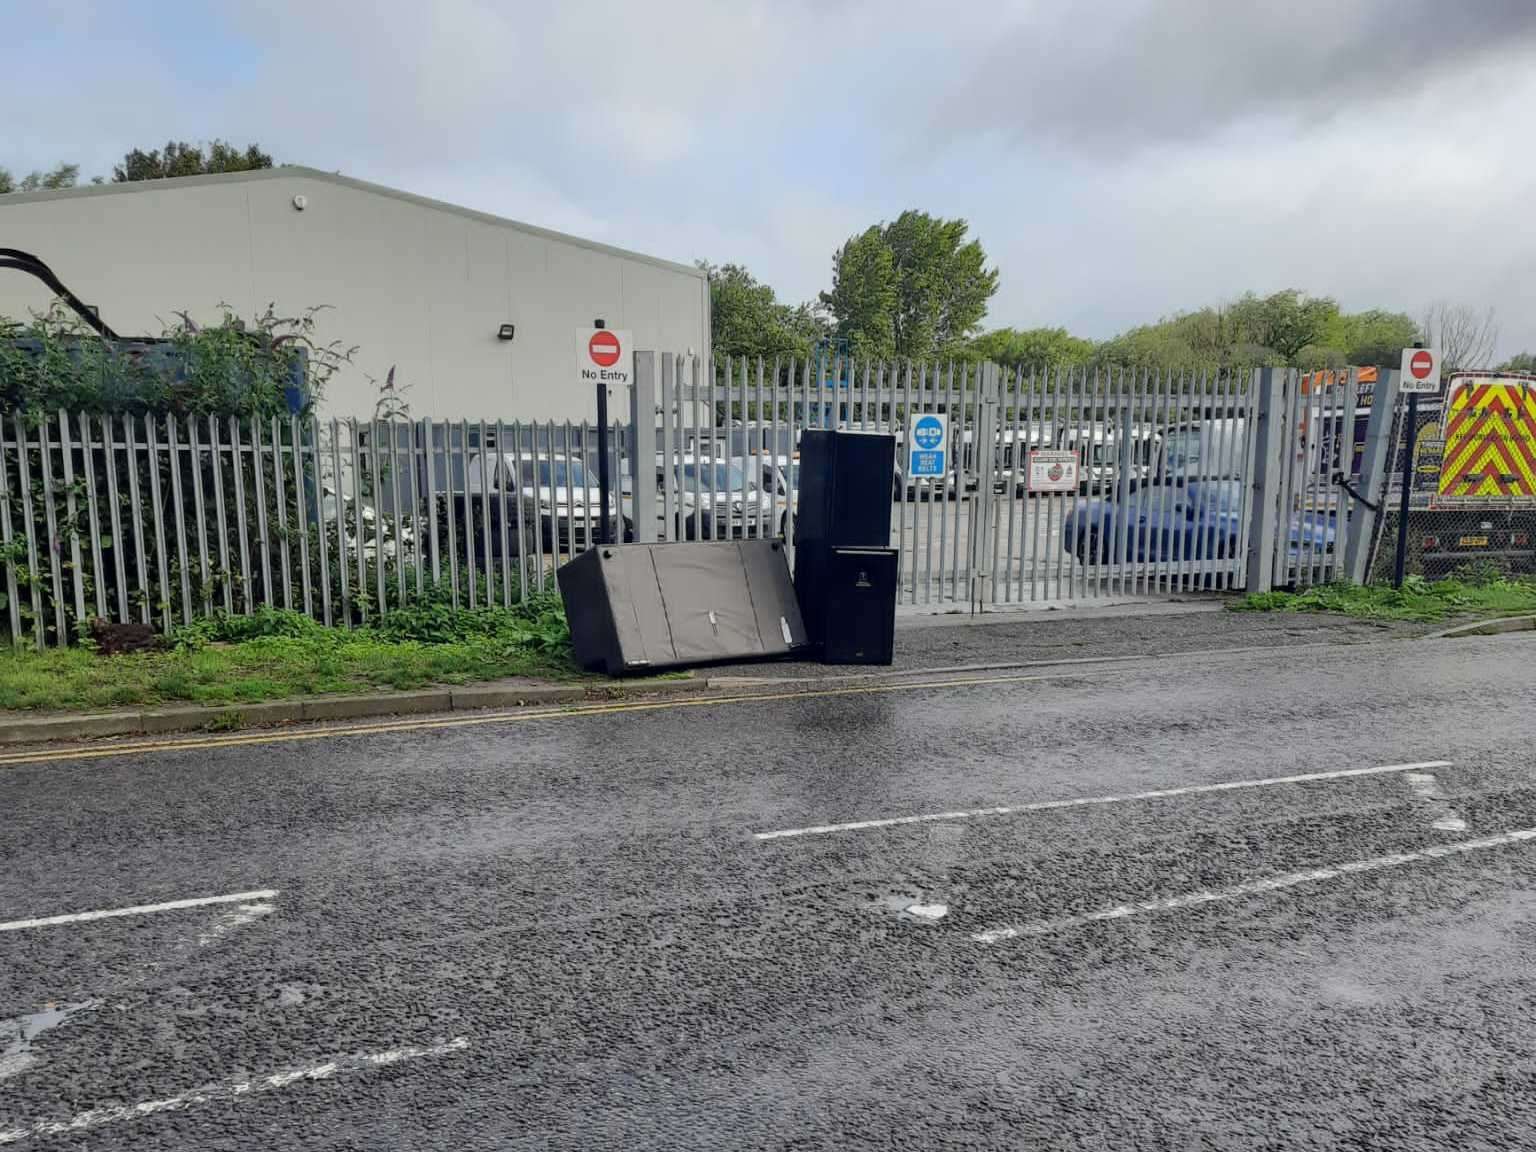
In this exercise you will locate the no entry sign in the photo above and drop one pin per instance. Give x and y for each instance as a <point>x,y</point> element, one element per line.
<point>602,355</point>
<point>1420,370</point>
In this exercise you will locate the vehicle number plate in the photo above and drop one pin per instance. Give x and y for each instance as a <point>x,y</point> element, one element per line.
<point>1472,542</point>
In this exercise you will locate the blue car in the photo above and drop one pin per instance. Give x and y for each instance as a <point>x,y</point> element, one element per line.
<point>1164,522</point>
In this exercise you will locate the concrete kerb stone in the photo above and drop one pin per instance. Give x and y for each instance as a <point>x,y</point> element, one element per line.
<point>194,718</point>
<point>1497,627</point>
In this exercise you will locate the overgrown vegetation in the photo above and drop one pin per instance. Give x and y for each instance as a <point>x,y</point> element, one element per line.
<point>237,367</point>
<point>274,654</point>
<point>1418,599</point>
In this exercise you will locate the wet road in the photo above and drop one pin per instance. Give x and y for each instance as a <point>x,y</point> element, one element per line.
<point>578,933</point>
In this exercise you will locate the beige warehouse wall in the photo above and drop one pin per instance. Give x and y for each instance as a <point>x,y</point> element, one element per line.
<point>420,287</point>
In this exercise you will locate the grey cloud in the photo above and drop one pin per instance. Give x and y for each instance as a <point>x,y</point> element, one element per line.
<point>1095,78</point>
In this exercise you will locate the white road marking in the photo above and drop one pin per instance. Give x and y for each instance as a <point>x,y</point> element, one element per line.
<point>1255,887</point>
<point>137,910</point>
<point>228,1090</point>
<point>927,911</point>
<point>228,921</point>
<point>1090,801</point>
<point>1428,789</point>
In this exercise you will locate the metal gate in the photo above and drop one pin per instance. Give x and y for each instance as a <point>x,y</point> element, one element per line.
<point>1211,481</point>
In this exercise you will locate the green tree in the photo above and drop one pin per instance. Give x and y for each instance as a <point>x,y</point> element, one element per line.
<point>1031,349</point>
<point>180,158</point>
<point>1374,337</point>
<point>1286,321</point>
<point>916,287</point>
<point>1520,362</point>
<point>60,176</point>
<point>746,319</point>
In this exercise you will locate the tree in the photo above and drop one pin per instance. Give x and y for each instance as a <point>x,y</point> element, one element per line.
<point>915,287</point>
<point>60,176</point>
<point>1286,321</point>
<point>1464,336</point>
<point>865,295</point>
<point>1031,349</point>
<point>1374,337</point>
<point>180,158</point>
<point>1520,362</point>
<point>746,319</point>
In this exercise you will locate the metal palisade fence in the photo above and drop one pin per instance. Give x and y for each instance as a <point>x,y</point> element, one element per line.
<point>159,520</point>
<point>1179,481</point>
<point>1066,483</point>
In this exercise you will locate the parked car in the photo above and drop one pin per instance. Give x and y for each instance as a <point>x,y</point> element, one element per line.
<point>559,497</point>
<point>1175,520</point>
<point>708,494</point>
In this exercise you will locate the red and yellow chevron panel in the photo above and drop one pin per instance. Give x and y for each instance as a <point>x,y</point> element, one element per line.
<point>1490,441</point>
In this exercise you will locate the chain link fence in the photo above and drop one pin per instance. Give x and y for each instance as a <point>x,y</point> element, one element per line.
<point>1470,470</point>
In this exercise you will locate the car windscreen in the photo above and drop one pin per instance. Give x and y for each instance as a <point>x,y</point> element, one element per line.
<point>553,474</point>
<point>724,477</point>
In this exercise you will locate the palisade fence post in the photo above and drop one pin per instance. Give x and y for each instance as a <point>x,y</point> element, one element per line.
<point>263,540</point>
<point>429,451</point>
<point>11,589</point>
<point>1376,458</point>
<point>162,567</point>
<point>359,541</point>
<point>114,509</point>
<point>93,514</point>
<point>642,448</point>
<point>301,518</point>
<point>237,456</point>
<point>376,490</point>
<point>517,487</point>
<point>136,507</point>
<point>339,503</point>
<point>178,510</point>
<point>1268,469</point>
<point>221,514</point>
<point>469,515</point>
<point>280,497</point>
<point>502,482</point>
<point>322,545</point>
<point>448,493</point>
<point>400,510</point>
<point>54,541</point>
<point>28,520</point>
<point>411,430</point>
<point>72,521</point>
<point>198,507</point>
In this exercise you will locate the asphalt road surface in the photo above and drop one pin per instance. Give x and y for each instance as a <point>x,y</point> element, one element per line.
<point>1274,900</point>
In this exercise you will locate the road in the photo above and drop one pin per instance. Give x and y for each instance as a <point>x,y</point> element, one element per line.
<point>650,928</point>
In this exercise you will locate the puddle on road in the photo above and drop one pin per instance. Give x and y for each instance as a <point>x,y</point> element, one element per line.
<point>911,907</point>
<point>20,1032</point>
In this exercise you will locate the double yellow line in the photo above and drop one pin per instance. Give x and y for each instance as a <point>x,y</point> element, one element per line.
<point>235,740</point>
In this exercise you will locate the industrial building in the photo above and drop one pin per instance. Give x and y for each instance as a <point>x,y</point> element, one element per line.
<point>479,316</point>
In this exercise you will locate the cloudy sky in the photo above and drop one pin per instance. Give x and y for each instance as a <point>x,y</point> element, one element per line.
<point>1119,159</point>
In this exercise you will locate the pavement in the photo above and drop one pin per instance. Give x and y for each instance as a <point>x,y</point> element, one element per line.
<point>1086,630</point>
<point>1245,899</point>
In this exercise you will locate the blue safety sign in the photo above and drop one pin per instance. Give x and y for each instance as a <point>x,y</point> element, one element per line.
<point>929,446</point>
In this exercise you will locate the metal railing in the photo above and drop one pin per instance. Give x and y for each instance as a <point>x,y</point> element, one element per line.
<point>1184,483</point>
<point>159,520</point>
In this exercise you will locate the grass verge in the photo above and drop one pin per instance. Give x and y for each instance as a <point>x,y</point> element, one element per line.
<point>274,654</point>
<point>1418,599</point>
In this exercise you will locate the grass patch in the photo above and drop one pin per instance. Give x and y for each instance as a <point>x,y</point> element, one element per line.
<point>1418,599</point>
<point>275,654</point>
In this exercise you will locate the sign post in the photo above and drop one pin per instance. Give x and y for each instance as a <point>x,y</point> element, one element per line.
<point>1419,374</point>
<point>603,358</point>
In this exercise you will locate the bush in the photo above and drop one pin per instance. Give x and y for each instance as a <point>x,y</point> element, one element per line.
<point>233,368</point>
